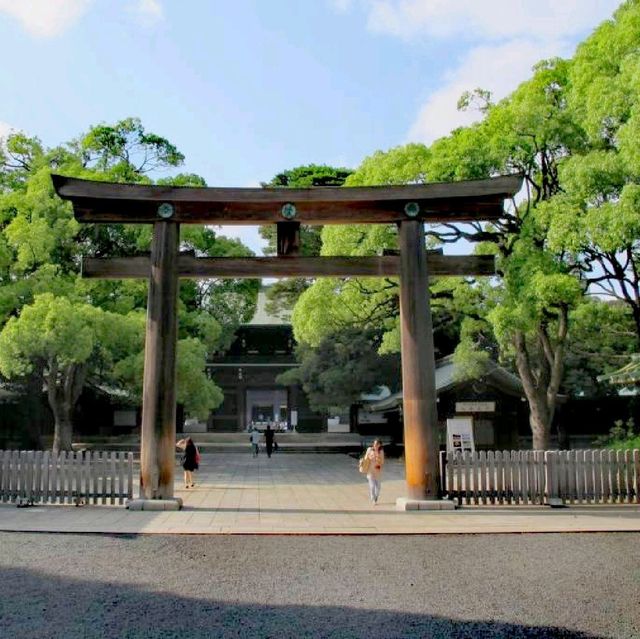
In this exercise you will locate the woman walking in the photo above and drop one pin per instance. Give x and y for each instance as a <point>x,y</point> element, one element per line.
<point>375,455</point>
<point>190,460</point>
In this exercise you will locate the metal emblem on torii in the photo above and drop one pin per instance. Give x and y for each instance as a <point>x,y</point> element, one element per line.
<point>407,206</point>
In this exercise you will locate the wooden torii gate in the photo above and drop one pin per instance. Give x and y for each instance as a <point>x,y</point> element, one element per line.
<point>407,206</point>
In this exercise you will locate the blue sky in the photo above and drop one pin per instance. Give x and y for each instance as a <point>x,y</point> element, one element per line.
<point>248,88</point>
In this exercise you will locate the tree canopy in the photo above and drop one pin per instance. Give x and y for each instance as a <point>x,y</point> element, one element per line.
<point>342,367</point>
<point>573,226</point>
<point>41,246</point>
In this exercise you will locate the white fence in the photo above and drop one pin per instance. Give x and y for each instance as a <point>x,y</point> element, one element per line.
<point>535,477</point>
<point>69,478</point>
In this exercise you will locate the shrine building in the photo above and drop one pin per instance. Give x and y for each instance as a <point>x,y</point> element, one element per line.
<point>247,372</point>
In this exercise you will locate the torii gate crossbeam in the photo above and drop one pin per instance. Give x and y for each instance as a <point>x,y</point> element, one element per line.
<point>407,206</point>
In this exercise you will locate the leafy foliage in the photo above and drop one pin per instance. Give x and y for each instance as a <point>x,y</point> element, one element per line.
<point>342,367</point>
<point>602,339</point>
<point>68,331</point>
<point>623,436</point>
<point>544,238</point>
<point>596,217</point>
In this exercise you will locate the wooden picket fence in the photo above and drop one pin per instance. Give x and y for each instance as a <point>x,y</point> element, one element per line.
<point>538,477</point>
<point>68,478</point>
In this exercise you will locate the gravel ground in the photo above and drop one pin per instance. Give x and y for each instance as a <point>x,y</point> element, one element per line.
<point>94,586</point>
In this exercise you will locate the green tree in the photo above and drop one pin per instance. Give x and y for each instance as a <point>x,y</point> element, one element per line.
<point>593,352</point>
<point>596,216</point>
<point>41,246</point>
<point>342,367</point>
<point>125,151</point>
<point>61,339</point>
<point>525,315</point>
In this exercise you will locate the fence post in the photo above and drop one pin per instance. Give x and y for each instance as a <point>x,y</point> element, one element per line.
<point>551,461</point>
<point>636,475</point>
<point>482,471</point>
<point>4,475</point>
<point>130,476</point>
<point>443,474</point>
<point>491,477</point>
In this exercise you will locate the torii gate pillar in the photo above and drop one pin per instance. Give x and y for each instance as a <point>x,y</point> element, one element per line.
<point>157,450</point>
<point>420,415</point>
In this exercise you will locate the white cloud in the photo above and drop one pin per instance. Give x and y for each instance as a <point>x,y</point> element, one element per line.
<point>45,18</point>
<point>497,68</point>
<point>500,40</point>
<point>533,30</point>
<point>148,12</point>
<point>486,19</point>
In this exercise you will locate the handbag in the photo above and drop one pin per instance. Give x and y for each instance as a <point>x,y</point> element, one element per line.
<point>364,464</point>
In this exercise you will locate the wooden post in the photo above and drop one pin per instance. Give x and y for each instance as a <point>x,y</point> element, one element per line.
<point>288,238</point>
<point>157,454</point>
<point>418,366</point>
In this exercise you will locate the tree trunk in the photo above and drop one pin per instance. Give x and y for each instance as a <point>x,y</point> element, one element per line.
<point>63,390</point>
<point>63,431</point>
<point>541,382</point>
<point>540,429</point>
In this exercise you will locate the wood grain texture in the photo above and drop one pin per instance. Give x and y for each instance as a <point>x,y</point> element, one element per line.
<point>418,366</point>
<point>103,202</point>
<point>254,267</point>
<point>157,451</point>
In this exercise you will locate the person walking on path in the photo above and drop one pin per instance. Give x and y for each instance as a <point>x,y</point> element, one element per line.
<point>254,438</point>
<point>190,460</point>
<point>375,455</point>
<point>269,439</point>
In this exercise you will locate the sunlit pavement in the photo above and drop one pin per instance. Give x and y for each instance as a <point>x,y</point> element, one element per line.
<point>307,494</point>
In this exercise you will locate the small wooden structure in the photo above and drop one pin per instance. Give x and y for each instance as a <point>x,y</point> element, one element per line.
<point>167,207</point>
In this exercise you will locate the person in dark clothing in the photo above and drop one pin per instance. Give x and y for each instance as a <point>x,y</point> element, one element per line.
<point>190,460</point>
<point>268,438</point>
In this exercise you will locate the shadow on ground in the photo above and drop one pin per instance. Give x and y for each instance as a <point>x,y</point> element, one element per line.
<point>38,605</point>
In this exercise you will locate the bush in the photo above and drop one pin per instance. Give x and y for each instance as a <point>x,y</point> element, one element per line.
<point>622,435</point>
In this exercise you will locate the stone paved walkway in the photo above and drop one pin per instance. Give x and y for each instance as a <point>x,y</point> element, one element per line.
<point>307,494</point>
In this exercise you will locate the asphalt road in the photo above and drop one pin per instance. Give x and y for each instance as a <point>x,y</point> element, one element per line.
<point>95,586</point>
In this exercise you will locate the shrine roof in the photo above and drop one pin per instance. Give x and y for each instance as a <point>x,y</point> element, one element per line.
<point>263,318</point>
<point>447,378</point>
<point>628,375</point>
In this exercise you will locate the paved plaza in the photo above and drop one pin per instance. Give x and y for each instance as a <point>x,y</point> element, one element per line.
<point>307,494</point>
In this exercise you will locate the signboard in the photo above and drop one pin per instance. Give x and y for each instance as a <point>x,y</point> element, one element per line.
<point>294,418</point>
<point>460,435</point>
<point>475,407</point>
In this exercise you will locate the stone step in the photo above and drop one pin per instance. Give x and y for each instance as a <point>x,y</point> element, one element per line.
<point>239,442</point>
<point>292,437</point>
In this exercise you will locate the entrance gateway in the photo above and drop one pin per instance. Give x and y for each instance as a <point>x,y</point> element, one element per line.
<point>409,207</point>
